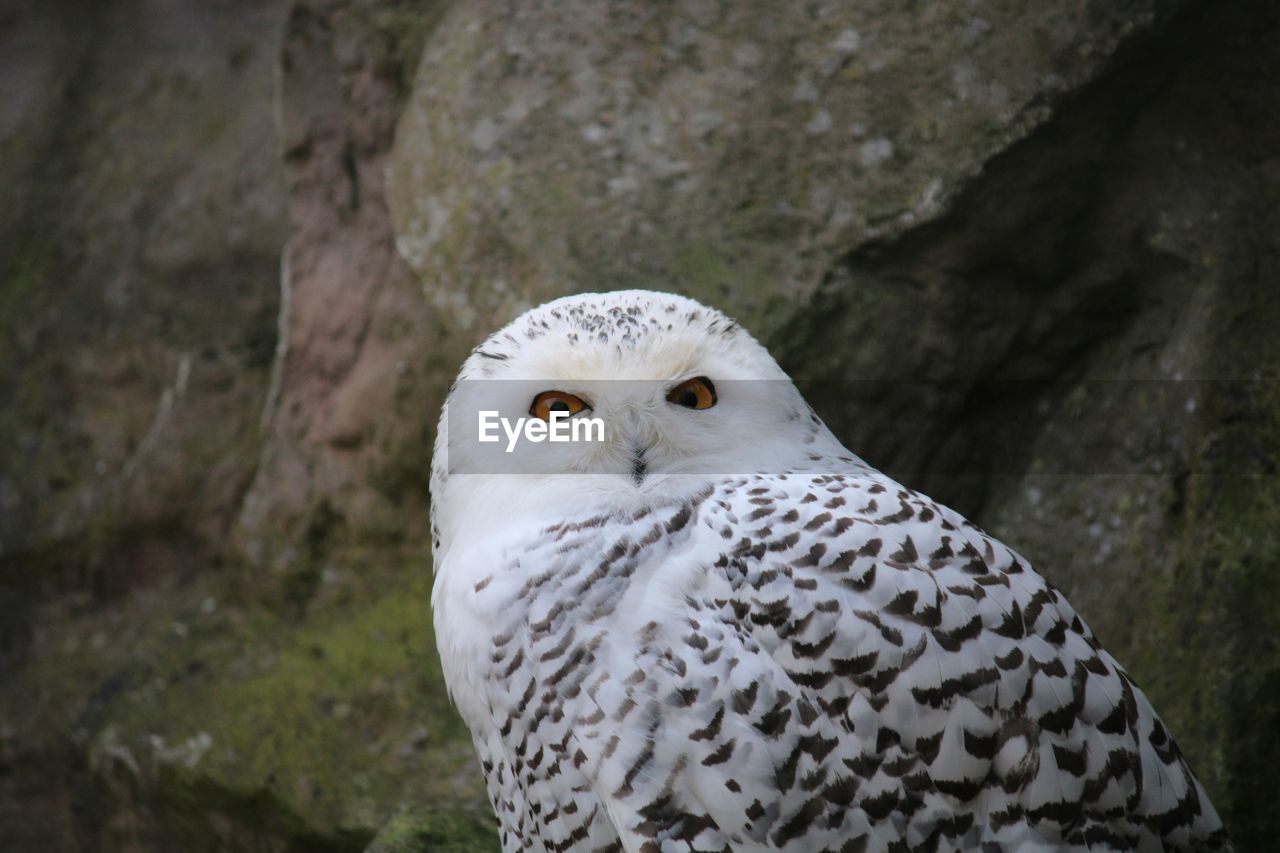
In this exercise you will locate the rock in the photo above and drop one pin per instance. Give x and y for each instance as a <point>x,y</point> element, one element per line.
<point>356,391</point>
<point>247,728</point>
<point>432,831</point>
<point>140,233</point>
<point>139,248</point>
<point>734,157</point>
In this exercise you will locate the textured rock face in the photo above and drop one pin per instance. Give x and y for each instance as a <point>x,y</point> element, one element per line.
<point>250,243</point>
<point>141,232</point>
<point>734,154</point>
<point>348,424</point>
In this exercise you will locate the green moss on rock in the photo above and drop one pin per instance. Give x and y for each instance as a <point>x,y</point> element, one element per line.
<point>1208,645</point>
<point>435,830</point>
<point>222,724</point>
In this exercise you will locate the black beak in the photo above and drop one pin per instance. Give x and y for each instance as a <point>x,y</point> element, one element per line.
<point>638,466</point>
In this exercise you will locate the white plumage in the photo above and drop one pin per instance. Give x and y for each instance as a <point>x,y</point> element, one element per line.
<point>720,630</point>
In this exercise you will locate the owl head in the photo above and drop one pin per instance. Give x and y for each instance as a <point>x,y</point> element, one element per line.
<point>650,396</point>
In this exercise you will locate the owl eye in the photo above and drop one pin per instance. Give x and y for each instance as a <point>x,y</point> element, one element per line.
<point>556,401</point>
<point>695,393</point>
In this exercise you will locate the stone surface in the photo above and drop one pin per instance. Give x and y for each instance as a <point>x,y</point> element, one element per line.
<point>356,387</point>
<point>733,153</point>
<point>424,830</point>
<point>141,232</point>
<point>1025,258</point>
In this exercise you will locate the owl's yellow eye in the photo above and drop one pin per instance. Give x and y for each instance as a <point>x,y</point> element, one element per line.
<point>695,393</point>
<point>556,401</point>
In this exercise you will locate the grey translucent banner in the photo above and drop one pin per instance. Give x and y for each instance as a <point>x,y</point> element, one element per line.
<point>629,427</point>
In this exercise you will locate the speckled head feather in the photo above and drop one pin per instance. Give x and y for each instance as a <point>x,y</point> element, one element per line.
<point>627,334</point>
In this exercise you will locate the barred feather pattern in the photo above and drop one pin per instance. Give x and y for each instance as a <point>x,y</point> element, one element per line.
<point>819,659</point>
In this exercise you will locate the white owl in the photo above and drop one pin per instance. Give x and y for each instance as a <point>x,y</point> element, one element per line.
<point>718,629</point>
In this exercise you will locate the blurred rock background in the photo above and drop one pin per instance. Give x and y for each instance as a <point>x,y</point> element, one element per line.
<point>1025,257</point>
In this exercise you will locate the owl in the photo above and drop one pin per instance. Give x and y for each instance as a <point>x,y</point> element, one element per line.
<point>710,627</point>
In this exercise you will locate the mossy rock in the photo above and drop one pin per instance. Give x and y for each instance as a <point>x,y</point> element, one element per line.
<point>436,830</point>
<point>217,726</point>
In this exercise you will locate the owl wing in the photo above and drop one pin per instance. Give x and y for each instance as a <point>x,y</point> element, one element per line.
<point>840,661</point>
<point>816,662</point>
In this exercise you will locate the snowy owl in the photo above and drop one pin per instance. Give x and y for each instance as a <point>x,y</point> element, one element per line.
<point>712,627</point>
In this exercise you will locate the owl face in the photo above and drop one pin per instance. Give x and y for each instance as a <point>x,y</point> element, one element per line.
<point>665,393</point>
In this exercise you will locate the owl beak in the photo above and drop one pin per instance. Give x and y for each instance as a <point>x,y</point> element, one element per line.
<point>638,465</point>
<point>639,437</point>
